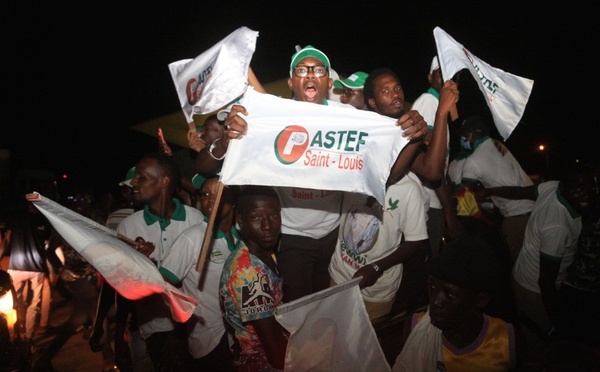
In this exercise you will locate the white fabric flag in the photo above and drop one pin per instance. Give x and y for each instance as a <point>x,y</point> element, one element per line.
<point>300,144</point>
<point>128,271</point>
<point>506,94</point>
<point>330,331</point>
<point>216,77</point>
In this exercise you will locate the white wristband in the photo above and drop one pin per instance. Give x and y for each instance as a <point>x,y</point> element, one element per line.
<point>212,147</point>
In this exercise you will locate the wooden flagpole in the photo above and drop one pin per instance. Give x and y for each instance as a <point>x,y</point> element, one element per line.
<point>209,229</point>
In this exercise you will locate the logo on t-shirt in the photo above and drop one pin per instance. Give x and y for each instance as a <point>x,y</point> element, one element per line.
<point>256,297</point>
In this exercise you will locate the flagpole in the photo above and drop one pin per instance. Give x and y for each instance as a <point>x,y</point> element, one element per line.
<point>209,229</point>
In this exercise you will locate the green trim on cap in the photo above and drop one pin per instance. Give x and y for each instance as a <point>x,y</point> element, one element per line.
<point>128,177</point>
<point>308,51</point>
<point>354,81</point>
<point>198,181</point>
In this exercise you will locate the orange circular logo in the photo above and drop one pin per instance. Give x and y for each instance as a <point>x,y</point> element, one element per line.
<point>291,143</point>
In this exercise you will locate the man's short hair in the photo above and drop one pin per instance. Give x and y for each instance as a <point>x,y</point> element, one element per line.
<point>369,88</point>
<point>168,165</point>
<point>249,193</point>
<point>468,262</point>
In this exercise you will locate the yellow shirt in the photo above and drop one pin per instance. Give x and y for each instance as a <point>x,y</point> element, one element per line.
<point>493,350</point>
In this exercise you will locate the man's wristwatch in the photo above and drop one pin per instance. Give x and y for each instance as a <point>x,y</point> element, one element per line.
<point>377,269</point>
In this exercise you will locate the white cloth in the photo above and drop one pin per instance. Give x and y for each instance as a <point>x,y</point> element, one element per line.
<point>552,230</point>
<point>305,145</point>
<point>369,233</point>
<point>331,331</point>
<point>216,77</point>
<point>487,165</point>
<point>506,94</point>
<point>128,271</point>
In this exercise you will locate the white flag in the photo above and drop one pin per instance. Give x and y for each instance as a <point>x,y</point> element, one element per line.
<point>216,77</point>
<point>506,94</point>
<point>330,331</point>
<point>128,271</point>
<point>301,144</point>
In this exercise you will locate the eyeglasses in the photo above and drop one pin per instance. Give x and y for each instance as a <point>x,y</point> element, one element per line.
<point>318,70</point>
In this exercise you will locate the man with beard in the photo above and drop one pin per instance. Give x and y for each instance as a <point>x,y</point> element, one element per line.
<point>384,94</point>
<point>455,333</point>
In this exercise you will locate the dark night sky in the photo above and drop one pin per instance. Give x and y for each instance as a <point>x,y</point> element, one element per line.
<point>78,75</point>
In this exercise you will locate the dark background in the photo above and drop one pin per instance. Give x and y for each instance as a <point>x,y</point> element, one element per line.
<point>78,75</point>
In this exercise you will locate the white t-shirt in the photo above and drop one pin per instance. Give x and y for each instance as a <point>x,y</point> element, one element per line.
<point>309,212</point>
<point>488,166</point>
<point>552,230</point>
<point>154,314</point>
<point>207,327</point>
<point>369,233</point>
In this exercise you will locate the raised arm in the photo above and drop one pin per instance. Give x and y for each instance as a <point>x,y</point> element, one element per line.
<point>210,159</point>
<point>431,164</point>
<point>415,129</point>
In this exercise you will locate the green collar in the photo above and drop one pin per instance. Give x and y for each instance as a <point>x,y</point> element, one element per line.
<point>463,154</point>
<point>232,245</point>
<point>574,214</point>
<point>433,92</point>
<point>178,215</point>
<point>479,142</point>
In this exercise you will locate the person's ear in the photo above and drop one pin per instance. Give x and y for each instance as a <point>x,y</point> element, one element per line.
<point>290,84</point>
<point>430,79</point>
<point>371,103</point>
<point>164,181</point>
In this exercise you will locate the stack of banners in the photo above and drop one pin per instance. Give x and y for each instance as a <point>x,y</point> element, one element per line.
<point>300,144</point>
<point>128,271</point>
<point>330,331</point>
<point>506,94</point>
<point>216,77</point>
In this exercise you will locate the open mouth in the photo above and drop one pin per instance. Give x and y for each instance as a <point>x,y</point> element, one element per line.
<point>310,92</point>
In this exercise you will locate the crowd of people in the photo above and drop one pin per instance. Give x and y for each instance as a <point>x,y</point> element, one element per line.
<point>489,268</point>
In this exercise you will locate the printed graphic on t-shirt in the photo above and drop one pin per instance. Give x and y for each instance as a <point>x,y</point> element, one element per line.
<point>256,297</point>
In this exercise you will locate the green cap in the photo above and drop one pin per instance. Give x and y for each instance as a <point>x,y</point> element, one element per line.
<point>128,177</point>
<point>354,81</point>
<point>308,51</point>
<point>198,181</point>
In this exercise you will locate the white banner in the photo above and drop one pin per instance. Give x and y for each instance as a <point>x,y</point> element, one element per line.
<point>128,271</point>
<point>506,94</point>
<point>300,144</point>
<point>330,331</point>
<point>216,77</point>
